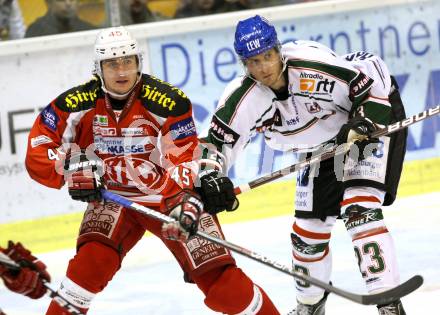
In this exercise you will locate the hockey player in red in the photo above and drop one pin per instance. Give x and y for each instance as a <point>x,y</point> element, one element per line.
<point>29,279</point>
<point>134,134</point>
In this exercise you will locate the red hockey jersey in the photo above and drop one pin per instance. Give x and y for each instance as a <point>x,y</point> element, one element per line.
<point>142,146</point>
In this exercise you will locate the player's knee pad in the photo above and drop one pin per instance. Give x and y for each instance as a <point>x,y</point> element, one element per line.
<point>87,274</point>
<point>233,292</point>
<point>361,211</point>
<point>362,222</point>
<point>93,266</point>
<point>311,255</point>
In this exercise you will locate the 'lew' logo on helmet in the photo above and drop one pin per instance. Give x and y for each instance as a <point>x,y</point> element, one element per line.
<point>253,44</point>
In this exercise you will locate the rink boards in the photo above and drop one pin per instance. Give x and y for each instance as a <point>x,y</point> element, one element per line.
<point>271,200</point>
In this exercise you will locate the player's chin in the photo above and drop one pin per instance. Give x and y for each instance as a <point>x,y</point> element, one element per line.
<point>267,80</point>
<point>122,88</point>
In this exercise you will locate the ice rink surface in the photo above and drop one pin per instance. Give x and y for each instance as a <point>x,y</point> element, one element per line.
<point>150,282</point>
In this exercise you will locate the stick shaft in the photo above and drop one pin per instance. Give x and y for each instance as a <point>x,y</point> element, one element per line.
<point>392,128</point>
<point>381,298</point>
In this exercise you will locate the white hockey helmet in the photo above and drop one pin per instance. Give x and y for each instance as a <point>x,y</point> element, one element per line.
<point>115,42</point>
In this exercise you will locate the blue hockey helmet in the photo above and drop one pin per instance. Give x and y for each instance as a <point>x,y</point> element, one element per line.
<point>254,36</point>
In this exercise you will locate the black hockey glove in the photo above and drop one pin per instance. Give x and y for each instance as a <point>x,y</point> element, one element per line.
<point>83,174</point>
<point>186,207</point>
<point>217,193</point>
<point>358,130</point>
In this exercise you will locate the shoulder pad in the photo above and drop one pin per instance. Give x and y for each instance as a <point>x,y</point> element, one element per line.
<point>162,98</point>
<point>235,97</point>
<point>81,97</point>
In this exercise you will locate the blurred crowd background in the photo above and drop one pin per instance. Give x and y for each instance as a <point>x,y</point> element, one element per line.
<point>25,18</point>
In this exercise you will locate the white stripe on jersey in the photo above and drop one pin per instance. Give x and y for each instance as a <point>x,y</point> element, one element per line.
<point>72,121</point>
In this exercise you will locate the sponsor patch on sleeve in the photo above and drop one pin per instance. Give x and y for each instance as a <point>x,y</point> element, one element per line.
<point>50,118</point>
<point>360,85</point>
<point>35,142</point>
<point>183,129</point>
<point>222,132</point>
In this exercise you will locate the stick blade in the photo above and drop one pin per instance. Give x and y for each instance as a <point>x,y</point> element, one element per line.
<point>393,294</point>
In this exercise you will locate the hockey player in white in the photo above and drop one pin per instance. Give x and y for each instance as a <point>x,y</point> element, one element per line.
<point>302,96</point>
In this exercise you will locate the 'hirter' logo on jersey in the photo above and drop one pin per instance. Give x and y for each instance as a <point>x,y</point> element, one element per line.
<point>76,98</point>
<point>157,97</point>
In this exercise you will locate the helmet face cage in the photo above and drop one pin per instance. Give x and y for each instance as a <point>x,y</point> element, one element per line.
<point>254,36</point>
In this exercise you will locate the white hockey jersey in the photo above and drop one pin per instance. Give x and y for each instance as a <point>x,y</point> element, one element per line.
<point>323,90</point>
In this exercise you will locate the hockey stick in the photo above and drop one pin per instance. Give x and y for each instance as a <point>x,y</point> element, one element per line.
<point>366,299</point>
<point>342,149</point>
<point>12,265</point>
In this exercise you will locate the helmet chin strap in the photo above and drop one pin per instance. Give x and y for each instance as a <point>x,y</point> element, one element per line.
<point>284,62</point>
<point>117,95</point>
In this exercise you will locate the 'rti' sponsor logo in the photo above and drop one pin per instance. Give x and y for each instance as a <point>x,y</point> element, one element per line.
<point>316,86</point>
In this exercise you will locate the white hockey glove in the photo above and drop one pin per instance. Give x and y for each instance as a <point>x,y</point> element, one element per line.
<point>186,208</point>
